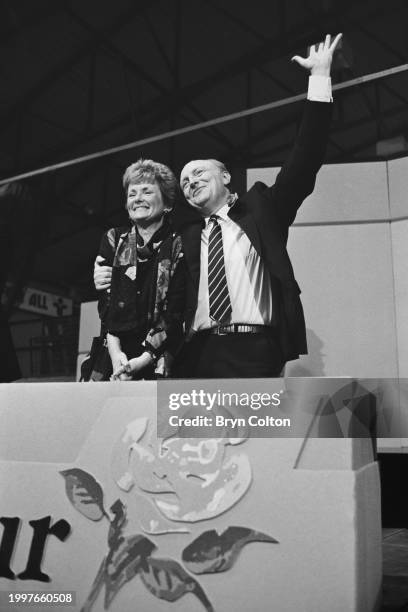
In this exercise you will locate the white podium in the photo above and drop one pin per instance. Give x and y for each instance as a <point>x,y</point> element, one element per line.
<point>192,525</point>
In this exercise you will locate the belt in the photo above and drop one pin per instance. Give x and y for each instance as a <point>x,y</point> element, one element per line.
<point>238,328</point>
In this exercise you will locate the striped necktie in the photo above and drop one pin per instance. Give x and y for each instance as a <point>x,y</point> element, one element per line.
<point>219,299</point>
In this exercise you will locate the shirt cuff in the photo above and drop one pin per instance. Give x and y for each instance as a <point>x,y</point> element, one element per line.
<point>320,89</point>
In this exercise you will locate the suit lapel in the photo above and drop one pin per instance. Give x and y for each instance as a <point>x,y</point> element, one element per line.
<point>191,239</point>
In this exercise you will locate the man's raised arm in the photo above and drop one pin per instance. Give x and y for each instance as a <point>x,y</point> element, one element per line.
<point>297,177</point>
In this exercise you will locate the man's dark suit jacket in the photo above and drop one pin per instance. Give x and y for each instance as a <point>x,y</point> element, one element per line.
<point>265,214</point>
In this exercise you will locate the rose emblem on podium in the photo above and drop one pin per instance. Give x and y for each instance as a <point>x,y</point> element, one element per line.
<point>178,482</point>
<point>188,480</point>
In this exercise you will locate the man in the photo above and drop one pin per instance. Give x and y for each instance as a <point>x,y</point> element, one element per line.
<point>243,314</point>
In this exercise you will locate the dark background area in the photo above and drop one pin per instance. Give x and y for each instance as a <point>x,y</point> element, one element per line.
<point>82,76</point>
<point>394,501</point>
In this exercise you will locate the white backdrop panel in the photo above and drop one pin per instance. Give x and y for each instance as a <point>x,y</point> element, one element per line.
<point>343,192</point>
<point>346,276</point>
<point>89,325</point>
<point>398,180</point>
<point>400,255</point>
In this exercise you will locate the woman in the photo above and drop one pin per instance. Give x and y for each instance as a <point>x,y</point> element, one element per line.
<point>143,323</point>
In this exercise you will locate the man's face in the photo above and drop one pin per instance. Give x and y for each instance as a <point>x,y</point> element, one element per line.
<point>204,185</point>
<point>144,203</point>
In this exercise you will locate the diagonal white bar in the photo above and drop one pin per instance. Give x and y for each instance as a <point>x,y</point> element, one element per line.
<point>204,124</point>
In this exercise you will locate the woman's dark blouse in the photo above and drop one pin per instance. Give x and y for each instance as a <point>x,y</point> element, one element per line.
<point>132,299</point>
<point>130,305</point>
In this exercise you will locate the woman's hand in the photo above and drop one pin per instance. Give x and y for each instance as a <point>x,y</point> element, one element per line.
<point>133,366</point>
<point>320,57</point>
<point>120,364</point>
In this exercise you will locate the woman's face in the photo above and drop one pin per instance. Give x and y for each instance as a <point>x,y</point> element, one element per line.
<point>144,203</point>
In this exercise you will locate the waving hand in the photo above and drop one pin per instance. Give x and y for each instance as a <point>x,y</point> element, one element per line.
<point>320,57</point>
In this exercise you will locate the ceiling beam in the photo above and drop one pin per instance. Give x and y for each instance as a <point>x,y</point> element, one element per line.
<point>278,126</point>
<point>390,133</point>
<point>35,92</point>
<point>137,70</point>
<point>335,129</point>
<point>166,106</point>
<point>270,50</point>
<point>22,23</point>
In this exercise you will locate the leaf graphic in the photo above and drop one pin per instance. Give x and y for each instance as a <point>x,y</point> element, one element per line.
<point>96,587</point>
<point>124,561</point>
<point>211,552</point>
<point>84,493</point>
<point>168,580</point>
<point>117,524</point>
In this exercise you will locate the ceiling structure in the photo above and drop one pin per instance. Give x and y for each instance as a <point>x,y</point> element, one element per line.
<point>83,76</point>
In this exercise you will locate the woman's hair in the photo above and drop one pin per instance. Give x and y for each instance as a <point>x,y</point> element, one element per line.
<point>149,171</point>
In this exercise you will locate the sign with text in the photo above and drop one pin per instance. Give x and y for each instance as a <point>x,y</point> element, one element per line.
<point>45,303</point>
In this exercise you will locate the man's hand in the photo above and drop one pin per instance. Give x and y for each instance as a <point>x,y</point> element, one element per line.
<point>102,275</point>
<point>320,57</point>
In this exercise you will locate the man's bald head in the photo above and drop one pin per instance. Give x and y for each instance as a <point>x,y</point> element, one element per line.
<point>205,185</point>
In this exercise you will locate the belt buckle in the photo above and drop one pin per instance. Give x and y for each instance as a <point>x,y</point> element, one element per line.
<point>220,332</point>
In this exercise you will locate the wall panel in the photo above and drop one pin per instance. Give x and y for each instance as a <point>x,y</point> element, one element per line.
<point>343,192</point>
<point>345,272</point>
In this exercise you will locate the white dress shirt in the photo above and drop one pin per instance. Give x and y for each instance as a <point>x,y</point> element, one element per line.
<point>248,281</point>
